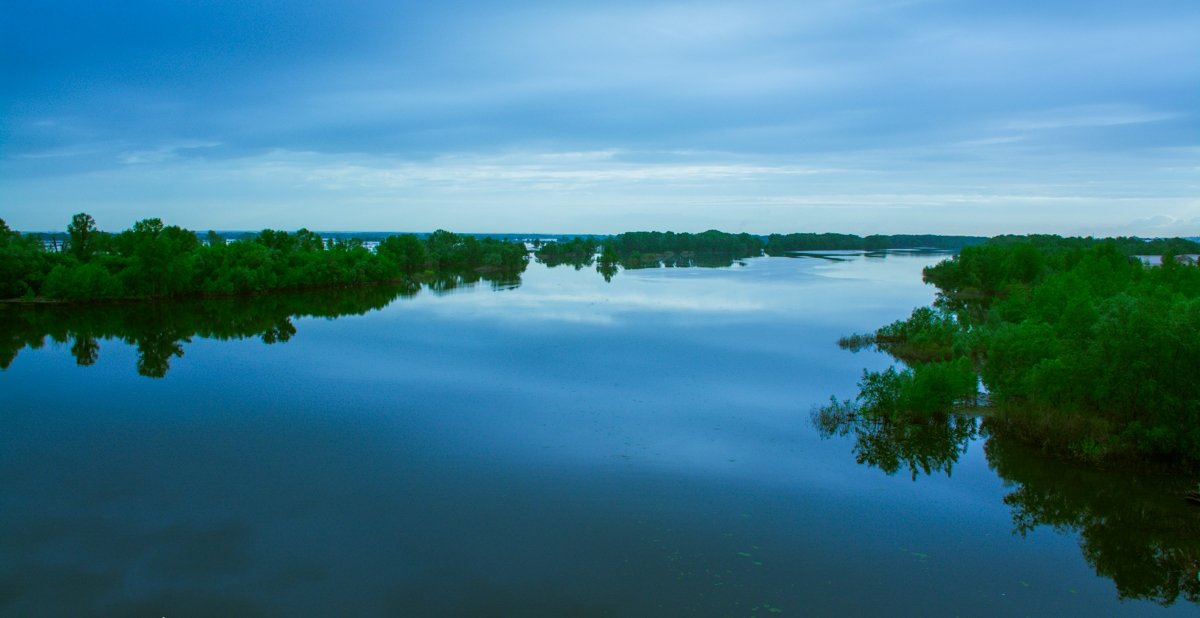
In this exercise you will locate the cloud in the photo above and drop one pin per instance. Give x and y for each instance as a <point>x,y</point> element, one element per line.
<point>1087,116</point>
<point>990,141</point>
<point>763,114</point>
<point>1164,225</point>
<point>167,152</point>
<point>605,191</point>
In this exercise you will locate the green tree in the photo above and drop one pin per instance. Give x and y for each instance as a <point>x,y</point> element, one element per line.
<point>81,233</point>
<point>876,242</point>
<point>24,264</point>
<point>1082,349</point>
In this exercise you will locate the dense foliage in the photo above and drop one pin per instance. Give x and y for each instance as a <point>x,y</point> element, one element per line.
<point>23,264</point>
<point>650,250</point>
<point>1081,348</point>
<point>710,242</point>
<point>1126,245</point>
<point>153,260</point>
<point>579,251</point>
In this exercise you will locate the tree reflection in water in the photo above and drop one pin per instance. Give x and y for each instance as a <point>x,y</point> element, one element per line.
<point>923,446</point>
<point>608,269</point>
<point>159,330</point>
<point>1134,529</point>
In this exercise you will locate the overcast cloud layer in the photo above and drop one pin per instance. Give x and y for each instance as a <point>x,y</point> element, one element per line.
<point>853,116</point>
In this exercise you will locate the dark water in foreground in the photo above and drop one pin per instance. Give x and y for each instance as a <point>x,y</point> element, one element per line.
<point>565,447</point>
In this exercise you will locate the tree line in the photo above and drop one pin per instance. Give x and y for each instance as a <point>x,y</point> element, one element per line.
<point>715,248</point>
<point>154,260</point>
<point>781,244</point>
<point>648,249</point>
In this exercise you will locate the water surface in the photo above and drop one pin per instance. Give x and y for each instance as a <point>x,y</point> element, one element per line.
<point>556,446</point>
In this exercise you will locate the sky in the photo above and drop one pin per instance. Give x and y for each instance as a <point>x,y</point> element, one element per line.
<point>857,116</point>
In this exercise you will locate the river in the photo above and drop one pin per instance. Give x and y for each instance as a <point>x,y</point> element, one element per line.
<point>558,446</point>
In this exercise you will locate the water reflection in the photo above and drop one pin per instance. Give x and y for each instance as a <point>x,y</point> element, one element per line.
<point>576,262</point>
<point>607,271</point>
<point>633,446</point>
<point>1136,530</point>
<point>925,447</point>
<point>447,283</point>
<point>851,254</point>
<point>604,268</point>
<point>686,259</point>
<point>159,330</point>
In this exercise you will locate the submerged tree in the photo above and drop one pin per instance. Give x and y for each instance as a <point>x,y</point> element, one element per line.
<point>1081,349</point>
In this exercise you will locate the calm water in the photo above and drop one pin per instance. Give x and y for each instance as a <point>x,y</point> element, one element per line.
<point>561,447</point>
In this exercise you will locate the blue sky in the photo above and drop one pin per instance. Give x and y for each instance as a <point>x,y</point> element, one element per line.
<point>850,116</point>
